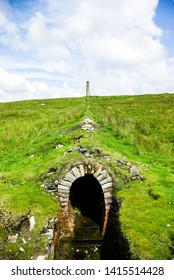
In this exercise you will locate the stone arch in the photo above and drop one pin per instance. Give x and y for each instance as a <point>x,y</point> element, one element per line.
<point>65,221</point>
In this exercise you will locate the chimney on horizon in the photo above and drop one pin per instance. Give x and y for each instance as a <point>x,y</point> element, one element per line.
<point>87,90</point>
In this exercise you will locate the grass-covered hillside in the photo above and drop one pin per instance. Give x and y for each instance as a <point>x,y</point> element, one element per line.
<point>35,136</point>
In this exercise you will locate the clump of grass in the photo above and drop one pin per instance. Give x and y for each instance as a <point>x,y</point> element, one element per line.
<point>153,193</point>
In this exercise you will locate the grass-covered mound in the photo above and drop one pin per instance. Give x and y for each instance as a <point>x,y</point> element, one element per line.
<point>138,128</point>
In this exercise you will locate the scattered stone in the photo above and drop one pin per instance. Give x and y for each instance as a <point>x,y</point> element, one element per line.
<point>122,160</point>
<point>56,183</point>
<point>97,152</point>
<point>49,233</point>
<point>82,150</point>
<point>87,154</point>
<point>107,157</point>
<point>52,170</point>
<point>134,178</point>
<point>88,121</point>
<point>41,257</point>
<point>21,249</point>
<point>32,222</point>
<point>43,104</point>
<point>74,149</point>
<point>87,127</point>
<point>88,124</point>
<point>24,241</point>
<point>32,156</point>
<point>13,238</point>
<point>1,176</point>
<point>51,221</point>
<point>50,186</point>
<point>134,170</point>
<point>95,249</point>
<point>59,146</point>
<point>168,225</point>
<point>77,138</point>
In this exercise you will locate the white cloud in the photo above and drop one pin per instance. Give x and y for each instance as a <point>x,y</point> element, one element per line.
<point>114,44</point>
<point>15,87</point>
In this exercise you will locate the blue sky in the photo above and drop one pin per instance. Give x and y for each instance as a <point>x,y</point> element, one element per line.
<point>51,48</point>
<point>165,19</point>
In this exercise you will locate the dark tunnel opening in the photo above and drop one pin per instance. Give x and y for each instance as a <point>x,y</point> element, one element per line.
<point>86,195</point>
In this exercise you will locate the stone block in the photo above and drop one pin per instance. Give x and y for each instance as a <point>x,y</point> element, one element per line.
<point>102,176</point>
<point>108,189</point>
<point>65,183</point>
<point>107,208</point>
<point>108,200</point>
<point>107,180</point>
<point>62,194</point>
<point>70,177</point>
<point>107,195</point>
<point>107,185</point>
<point>63,187</point>
<point>63,204</point>
<point>64,199</point>
<point>63,191</point>
<point>82,171</point>
<point>98,171</point>
<point>76,172</point>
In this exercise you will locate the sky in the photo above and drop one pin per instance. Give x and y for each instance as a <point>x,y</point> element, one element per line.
<point>50,48</point>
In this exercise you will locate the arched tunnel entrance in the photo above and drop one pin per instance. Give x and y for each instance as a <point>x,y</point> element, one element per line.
<point>88,189</point>
<point>87,195</point>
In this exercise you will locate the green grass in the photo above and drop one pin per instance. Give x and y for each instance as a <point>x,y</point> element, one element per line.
<point>141,128</point>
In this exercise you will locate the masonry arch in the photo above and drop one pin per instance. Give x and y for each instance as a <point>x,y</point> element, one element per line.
<point>92,177</point>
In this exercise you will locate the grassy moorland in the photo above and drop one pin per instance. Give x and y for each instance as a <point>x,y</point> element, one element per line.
<point>29,133</point>
<point>140,128</point>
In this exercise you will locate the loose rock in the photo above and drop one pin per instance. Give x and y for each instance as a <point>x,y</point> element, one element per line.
<point>21,249</point>
<point>134,170</point>
<point>13,238</point>
<point>59,146</point>
<point>50,186</point>
<point>32,222</point>
<point>122,160</point>
<point>49,233</point>
<point>41,257</point>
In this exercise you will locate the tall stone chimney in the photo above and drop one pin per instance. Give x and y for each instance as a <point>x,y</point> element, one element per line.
<point>87,90</point>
